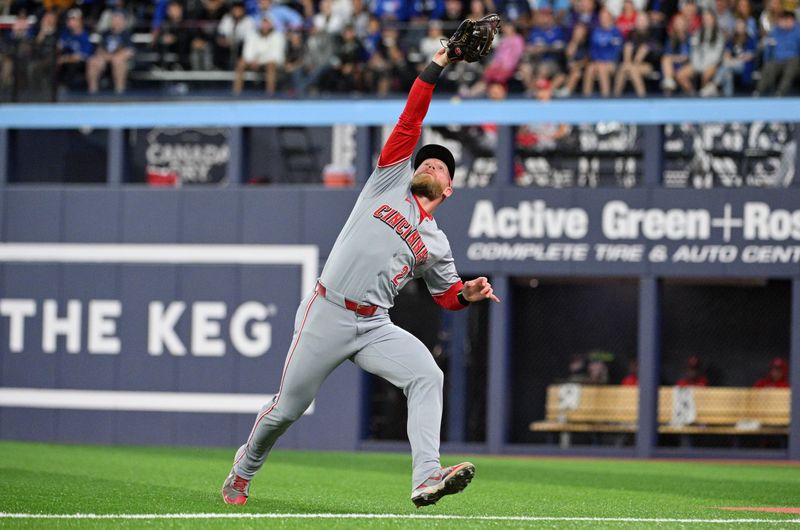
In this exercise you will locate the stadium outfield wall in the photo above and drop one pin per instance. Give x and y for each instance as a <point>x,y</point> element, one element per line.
<point>142,315</point>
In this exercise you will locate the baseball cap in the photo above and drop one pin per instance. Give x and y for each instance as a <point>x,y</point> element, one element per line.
<point>74,13</point>
<point>778,362</point>
<point>438,152</point>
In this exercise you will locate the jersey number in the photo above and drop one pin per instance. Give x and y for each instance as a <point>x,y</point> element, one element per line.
<point>403,272</point>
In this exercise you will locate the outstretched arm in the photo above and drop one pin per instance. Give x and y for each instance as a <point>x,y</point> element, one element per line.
<point>406,133</point>
<point>461,294</point>
<point>479,289</point>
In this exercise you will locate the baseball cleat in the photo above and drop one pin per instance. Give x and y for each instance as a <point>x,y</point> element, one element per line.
<point>447,481</point>
<point>235,489</point>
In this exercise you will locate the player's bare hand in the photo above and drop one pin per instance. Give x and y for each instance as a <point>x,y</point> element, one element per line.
<point>479,289</point>
<point>441,58</point>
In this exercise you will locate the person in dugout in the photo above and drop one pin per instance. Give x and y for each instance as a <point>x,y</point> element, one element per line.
<point>777,376</point>
<point>693,375</point>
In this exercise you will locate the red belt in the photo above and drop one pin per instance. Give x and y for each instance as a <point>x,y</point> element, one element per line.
<point>363,310</point>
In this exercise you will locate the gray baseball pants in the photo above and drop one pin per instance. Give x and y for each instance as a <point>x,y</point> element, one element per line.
<point>325,335</point>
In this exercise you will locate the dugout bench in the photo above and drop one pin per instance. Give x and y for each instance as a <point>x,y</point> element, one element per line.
<point>573,408</point>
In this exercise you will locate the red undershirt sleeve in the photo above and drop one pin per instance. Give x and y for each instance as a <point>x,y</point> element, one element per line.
<point>449,298</point>
<point>406,133</point>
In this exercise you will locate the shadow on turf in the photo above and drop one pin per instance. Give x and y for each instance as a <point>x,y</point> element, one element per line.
<point>66,493</point>
<point>657,482</point>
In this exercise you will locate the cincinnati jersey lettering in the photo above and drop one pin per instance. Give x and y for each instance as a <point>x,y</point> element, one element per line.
<point>405,230</point>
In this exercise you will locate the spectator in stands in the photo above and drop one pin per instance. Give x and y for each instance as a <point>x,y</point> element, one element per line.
<point>707,48</point>
<point>305,7</point>
<point>115,48</point>
<point>777,377</point>
<point>504,61</point>
<point>604,51</point>
<point>348,61</point>
<point>657,19</point>
<point>545,53</point>
<point>18,67</point>
<point>111,7</point>
<point>204,43</point>
<point>387,67</point>
<point>693,376</point>
<point>326,19</point>
<point>617,9</point>
<point>547,39</point>
<point>159,17</point>
<point>174,39</point>
<point>57,7</point>
<point>44,51</point>
<point>295,58</point>
<point>578,23</point>
<point>781,57</point>
<point>376,70</point>
<point>744,11</point>
<point>478,9</point>
<point>401,72</point>
<point>422,11</point>
<point>283,17</point>
<point>317,61</point>
<point>516,11</point>
<point>577,58</point>
<point>726,19</point>
<point>453,15</point>
<point>560,8</point>
<point>770,16</point>
<point>264,49</point>
<point>16,51</point>
<point>392,10</point>
<point>431,42</point>
<point>74,48</point>
<point>372,41</point>
<point>626,21</point>
<point>231,32</point>
<point>360,18</point>
<point>582,13</point>
<point>676,54</point>
<point>738,60</point>
<point>690,16</point>
<point>344,9</point>
<point>639,55</point>
<point>496,92</point>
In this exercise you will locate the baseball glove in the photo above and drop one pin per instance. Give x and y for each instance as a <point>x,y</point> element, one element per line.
<point>473,39</point>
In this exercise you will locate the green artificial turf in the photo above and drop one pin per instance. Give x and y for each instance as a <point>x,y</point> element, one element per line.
<point>68,479</point>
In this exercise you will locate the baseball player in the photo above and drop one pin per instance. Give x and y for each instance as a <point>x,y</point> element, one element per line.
<point>389,239</point>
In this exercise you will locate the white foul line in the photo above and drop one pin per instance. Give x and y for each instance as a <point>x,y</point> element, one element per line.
<point>118,400</point>
<point>518,518</point>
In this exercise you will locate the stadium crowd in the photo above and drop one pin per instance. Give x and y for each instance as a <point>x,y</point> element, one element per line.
<point>547,48</point>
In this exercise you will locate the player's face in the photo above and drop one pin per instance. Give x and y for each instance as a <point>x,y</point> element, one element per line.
<point>433,175</point>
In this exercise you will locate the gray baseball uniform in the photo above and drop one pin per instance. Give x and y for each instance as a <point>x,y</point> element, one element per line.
<point>388,240</point>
